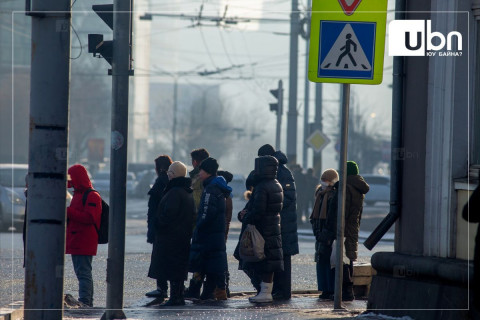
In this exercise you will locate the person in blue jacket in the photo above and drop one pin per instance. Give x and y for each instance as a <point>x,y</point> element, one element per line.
<point>208,252</point>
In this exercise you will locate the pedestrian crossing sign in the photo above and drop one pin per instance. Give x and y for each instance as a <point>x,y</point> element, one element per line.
<point>347,46</point>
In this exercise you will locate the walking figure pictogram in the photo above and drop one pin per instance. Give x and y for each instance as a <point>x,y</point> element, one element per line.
<point>347,49</point>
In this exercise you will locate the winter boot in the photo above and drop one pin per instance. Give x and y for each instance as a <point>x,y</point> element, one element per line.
<point>193,291</point>
<point>176,295</point>
<point>208,290</point>
<point>227,283</point>
<point>265,294</point>
<point>220,294</point>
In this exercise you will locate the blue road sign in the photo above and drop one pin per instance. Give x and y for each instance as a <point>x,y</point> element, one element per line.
<point>347,50</point>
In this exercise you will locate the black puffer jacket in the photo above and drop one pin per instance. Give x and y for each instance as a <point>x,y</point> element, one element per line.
<point>289,211</point>
<point>156,193</point>
<point>264,213</point>
<point>174,231</point>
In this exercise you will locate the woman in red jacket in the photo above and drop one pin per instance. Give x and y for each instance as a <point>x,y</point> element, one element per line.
<point>82,224</point>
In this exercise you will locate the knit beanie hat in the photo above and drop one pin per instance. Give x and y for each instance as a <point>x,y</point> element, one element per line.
<point>352,168</point>
<point>210,166</point>
<point>330,175</point>
<point>176,170</point>
<point>266,150</point>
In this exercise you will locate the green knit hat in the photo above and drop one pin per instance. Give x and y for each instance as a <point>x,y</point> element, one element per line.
<point>352,168</point>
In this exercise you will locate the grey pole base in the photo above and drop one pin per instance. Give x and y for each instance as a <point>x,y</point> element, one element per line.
<point>113,314</point>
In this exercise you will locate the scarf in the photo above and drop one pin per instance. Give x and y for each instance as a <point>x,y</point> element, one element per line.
<point>321,198</point>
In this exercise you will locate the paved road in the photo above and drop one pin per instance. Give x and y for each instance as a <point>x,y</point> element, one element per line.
<point>138,257</point>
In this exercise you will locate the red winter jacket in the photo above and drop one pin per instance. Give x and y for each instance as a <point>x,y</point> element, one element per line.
<point>82,237</point>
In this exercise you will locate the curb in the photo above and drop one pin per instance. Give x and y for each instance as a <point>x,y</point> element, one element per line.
<point>13,311</point>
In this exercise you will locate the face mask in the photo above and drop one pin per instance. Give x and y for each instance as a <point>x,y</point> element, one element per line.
<point>324,184</point>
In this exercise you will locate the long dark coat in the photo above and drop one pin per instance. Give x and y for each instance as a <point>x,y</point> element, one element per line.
<point>208,253</point>
<point>264,213</point>
<point>155,195</point>
<point>289,209</point>
<point>173,232</point>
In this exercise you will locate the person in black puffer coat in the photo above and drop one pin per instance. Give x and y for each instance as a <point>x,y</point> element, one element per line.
<point>173,224</point>
<point>264,213</point>
<point>208,252</point>
<point>282,284</point>
<point>155,195</point>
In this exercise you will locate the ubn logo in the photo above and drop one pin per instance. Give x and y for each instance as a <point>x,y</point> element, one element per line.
<point>415,38</point>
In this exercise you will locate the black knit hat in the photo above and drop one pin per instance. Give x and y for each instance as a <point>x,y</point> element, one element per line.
<point>266,150</point>
<point>352,168</point>
<point>210,166</point>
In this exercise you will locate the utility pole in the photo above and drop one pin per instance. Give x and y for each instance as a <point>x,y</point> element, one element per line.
<point>278,109</point>
<point>317,156</point>
<point>118,167</point>
<point>174,126</point>
<point>306,113</point>
<point>292,92</point>
<point>342,188</point>
<point>47,163</point>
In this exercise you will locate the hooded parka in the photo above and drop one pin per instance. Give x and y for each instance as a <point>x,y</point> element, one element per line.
<point>208,251</point>
<point>82,221</point>
<point>264,212</point>
<point>289,211</point>
<point>356,190</point>
<point>173,225</point>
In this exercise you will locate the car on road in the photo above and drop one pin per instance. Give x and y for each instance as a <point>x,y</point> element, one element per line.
<point>12,198</point>
<point>379,189</point>
<point>101,183</point>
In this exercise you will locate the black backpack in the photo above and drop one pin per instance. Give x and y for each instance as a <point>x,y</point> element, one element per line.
<point>103,230</point>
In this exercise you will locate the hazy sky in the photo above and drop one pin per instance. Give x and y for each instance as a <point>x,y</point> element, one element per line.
<point>263,51</point>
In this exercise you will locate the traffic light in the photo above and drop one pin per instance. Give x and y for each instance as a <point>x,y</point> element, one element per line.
<point>96,44</point>
<point>278,94</point>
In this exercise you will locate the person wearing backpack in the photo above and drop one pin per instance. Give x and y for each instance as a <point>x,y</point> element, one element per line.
<point>83,221</point>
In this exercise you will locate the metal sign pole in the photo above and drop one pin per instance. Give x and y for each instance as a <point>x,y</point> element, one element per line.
<point>341,196</point>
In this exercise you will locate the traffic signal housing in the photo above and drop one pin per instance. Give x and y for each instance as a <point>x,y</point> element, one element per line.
<point>96,44</point>
<point>277,107</point>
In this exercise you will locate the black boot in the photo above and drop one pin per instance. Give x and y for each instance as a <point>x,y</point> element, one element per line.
<point>176,295</point>
<point>193,291</point>
<point>227,283</point>
<point>208,290</point>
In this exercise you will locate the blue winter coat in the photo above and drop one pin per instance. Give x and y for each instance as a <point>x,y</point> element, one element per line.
<point>208,251</point>
<point>289,211</point>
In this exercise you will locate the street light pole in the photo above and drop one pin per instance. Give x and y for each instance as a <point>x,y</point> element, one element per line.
<point>174,126</point>
<point>306,103</point>
<point>293,83</point>
<point>118,168</point>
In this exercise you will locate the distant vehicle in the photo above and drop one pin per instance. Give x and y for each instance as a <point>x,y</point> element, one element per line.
<point>12,198</point>
<point>131,183</point>
<point>379,189</point>
<point>101,183</point>
<point>238,186</point>
<point>145,181</point>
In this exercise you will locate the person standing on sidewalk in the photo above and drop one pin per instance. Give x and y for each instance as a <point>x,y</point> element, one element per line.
<point>228,219</point>
<point>83,221</point>
<point>173,221</point>
<point>208,252</point>
<point>197,155</point>
<point>355,193</point>
<point>267,200</point>
<point>156,194</point>
<point>282,284</point>
<point>323,226</point>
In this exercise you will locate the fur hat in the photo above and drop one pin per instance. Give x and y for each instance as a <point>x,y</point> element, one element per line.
<point>352,168</point>
<point>176,170</point>
<point>330,175</point>
<point>210,166</point>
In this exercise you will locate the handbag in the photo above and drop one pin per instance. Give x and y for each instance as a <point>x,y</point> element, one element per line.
<point>252,245</point>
